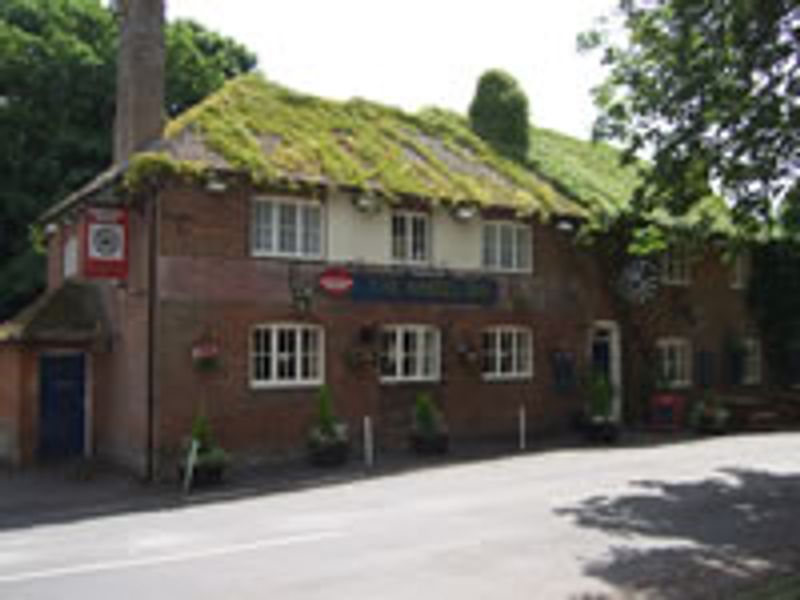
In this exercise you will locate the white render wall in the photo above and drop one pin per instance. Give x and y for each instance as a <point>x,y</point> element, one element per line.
<point>354,236</point>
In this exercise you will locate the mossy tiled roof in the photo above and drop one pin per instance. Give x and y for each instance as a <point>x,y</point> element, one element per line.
<point>72,313</point>
<point>275,134</point>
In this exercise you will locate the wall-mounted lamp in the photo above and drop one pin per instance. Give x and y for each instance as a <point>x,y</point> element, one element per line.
<point>464,211</point>
<point>367,203</point>
<point>565,225</point>
<point>216,186</point>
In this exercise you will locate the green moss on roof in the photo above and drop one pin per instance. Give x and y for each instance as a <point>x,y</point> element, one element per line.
<point>591,173</point>
<point>276,134</point>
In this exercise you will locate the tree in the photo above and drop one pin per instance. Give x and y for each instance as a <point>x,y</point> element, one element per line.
<point>499,113</point>
<point>711,88</point>
<point>57,82</point>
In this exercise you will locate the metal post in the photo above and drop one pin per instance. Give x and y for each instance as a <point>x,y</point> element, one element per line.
<point>369,444</point>
<point>523,426</point>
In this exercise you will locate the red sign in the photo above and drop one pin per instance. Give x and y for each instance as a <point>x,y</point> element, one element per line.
<point>105,243</point>
<point>336,281</point>
<point>205,350</point>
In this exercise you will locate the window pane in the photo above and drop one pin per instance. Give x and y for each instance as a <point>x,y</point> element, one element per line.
<point>488,353</point>
<point>490,245</point>
<point>287,354</point>
<point>388,353</point>
<point>523,248</point>
<point>288,228</point>
<point>262,226</point>
<point>312,230</point>
<point>419,251</point>
<point>506,247</point>
<point>522,364</point>
<point>399,237</point>
<point>430,353</point>
<point>506,352</point>
<point>310,354</point>
<point>409,353</point>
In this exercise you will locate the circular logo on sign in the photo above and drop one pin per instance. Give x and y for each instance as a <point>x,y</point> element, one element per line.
<point>336,281</point>
<point>106,242</point>
<point>639,281</point>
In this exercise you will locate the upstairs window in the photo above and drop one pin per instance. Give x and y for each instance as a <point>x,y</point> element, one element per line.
<point>676,267</point>
<point>674,362</point>
<point>411,238</point>
<point>751,367</point>
<point>286,228</point>
<point>507,353</point>
<point>507,247</point>
<point>410,353</point>
<point>286,355</point>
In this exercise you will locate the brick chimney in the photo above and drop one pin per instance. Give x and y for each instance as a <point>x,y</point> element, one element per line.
<point>140,78</point>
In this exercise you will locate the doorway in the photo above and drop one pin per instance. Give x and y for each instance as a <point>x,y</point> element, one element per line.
<point>62,406</point>
<point>605,358</point>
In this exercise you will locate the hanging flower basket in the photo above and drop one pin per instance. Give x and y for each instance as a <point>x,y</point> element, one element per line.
<point>205,355</point>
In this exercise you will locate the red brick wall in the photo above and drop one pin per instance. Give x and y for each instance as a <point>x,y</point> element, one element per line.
<point>209,286</point>
<point>10,396</point>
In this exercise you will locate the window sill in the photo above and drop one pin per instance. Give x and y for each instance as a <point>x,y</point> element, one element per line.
<point>287,257</point>
<point>403,381</point>
<point>283,385</point>
<point>511,378</point>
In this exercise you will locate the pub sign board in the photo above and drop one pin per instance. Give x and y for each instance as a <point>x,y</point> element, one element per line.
<point>105,238</point>
<point>439,289</point>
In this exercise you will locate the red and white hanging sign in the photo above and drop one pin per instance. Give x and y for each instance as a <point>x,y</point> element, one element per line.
<point>336,281</point>
<point>105,238</point>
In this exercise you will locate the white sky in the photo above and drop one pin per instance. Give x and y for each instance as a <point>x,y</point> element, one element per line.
<point>414,53</point>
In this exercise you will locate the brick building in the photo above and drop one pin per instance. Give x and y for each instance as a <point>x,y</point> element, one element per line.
<point>271,243</point>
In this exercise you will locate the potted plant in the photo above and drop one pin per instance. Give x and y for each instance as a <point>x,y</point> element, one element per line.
<point>710,416</point>
<point>429,435</point>
<point>328,440</point>
<point>599,423</point>
<point>210,460</point>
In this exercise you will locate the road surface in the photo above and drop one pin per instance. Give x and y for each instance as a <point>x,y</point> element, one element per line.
<point>700,519</point>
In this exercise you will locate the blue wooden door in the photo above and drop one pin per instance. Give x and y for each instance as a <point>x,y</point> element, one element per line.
<point>61,412</point>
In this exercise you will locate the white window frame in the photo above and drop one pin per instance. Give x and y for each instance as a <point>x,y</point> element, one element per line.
<point>752,361</point>
<point>676,267</point>
<point>404,252</point>
<point>260,231</point>
<point>739,271</point>
<point>492,251</point>
<point>420,333</point>
<point>273,330</point>
<point>683,361</point>
<point>520,353</point>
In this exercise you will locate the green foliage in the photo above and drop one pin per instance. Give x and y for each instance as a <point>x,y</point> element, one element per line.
<point>277,135</point>
<point>428,421</point>
<point>600,396</point>
<point>209,452</point>
<point>774,296</point>
<point>708,88</point>
<point>328,429</point>
<point>201,432</point>
<point>326,419</point>
<point>148,169</point>
<point>499,113</point>
<point>57,82</point>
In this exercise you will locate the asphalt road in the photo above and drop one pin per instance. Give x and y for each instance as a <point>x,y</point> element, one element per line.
<point>701,519</point>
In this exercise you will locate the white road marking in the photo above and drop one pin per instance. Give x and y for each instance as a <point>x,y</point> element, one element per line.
<point>118,565</point>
